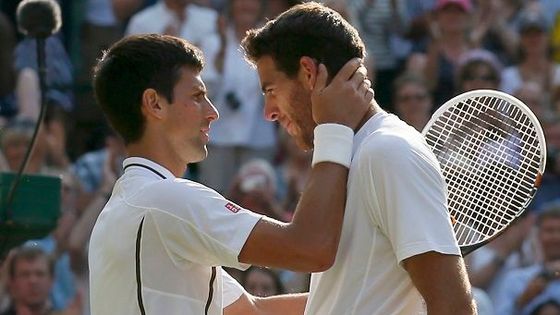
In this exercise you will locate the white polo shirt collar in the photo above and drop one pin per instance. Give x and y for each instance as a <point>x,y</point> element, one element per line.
<point>147,165</point>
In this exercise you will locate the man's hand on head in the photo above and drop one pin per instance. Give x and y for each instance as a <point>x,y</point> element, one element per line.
<point>346,99</point>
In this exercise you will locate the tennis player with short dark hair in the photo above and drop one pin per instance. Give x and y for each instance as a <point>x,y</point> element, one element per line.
<point>398,254</point>
<point>158,244</point>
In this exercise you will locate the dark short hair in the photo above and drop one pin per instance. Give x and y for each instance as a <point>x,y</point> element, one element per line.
<point>308,29</point>
<point>29,253</point>
<point>131,66</point>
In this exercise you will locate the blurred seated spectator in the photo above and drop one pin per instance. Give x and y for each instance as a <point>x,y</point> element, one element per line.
<point>550,185</point>
<point>494,28</point>
<point>49,153</point>
<point>413,102</point>
<point>449,41</point>
<point>89,168</point>
<point>533,95</point>
<point>59,77</point>
<point>30,282</point>
<point>262,282</point>
<point>524,289</point>
<point>515,248</point>
<point>91,206</point>
<point>379,22</point>
<point>14,144</point>
<point>181,18</point>
<point>15,140</point>
<point>535,63</point>
<point>242,133</point>
<point>478,69</point>
<point>94,26</point>
<point>293,168</point>
<point>254,187</point>
<point>59,92</point>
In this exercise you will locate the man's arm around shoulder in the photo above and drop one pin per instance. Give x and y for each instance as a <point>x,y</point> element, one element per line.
<point>286,304</point>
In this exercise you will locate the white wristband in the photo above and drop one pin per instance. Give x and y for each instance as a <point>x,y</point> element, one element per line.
<point>333,143</point>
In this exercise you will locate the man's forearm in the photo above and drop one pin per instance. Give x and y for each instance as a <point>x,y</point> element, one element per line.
<point>286,304</point>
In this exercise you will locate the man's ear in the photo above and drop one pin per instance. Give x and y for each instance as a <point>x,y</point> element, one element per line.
<point>308,68</point>
<point>152,104</point>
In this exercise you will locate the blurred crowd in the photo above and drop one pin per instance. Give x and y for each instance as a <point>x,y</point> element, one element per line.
<point>421,53</point>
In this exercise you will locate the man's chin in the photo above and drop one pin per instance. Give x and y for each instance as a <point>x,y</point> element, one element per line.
<point>202,155</point>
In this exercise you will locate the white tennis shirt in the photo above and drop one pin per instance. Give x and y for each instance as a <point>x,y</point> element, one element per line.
<point>396,208</point>
<point>154,244</point>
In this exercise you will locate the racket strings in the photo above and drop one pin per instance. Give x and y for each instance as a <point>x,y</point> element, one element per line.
<point>489,153</point>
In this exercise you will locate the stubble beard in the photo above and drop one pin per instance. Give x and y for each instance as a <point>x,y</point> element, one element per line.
<point>303,119</point>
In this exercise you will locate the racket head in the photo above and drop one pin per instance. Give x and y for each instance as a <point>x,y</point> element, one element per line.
<point>492,153</point>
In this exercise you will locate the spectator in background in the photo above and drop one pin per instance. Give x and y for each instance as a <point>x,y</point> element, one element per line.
<point>515,248</point>
<point>413,102</point>
<point>533,95</point>
<point>478,69</point>
<point>100,179</point>
<point>524,289</point>
<point>59,77</point>
<point>95,25</point>
<point>550,185</point>
<point>59,95</point>
<point>378,22</point>
<point>493,28</point>
<point>448,43</point>
<point>254,187</point>
<point>262,282</point>
<point>15,141</point>
<point>89,168</point>
<point>293,170</point>
<point>30,282</point>
<point>16,137</point>
<point>535,63</point>
<point>181,18</point>
<point>241,133</point>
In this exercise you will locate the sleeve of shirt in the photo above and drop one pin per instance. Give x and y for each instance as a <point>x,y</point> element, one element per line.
<point>410,202</point>
<point>232,290</point>
<point>197,224</point>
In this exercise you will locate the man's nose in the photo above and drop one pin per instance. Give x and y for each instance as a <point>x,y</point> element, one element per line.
<point>270,110</point>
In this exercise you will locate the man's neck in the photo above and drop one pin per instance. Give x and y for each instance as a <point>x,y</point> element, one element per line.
<point>374,109</point>
<point>169,161</point>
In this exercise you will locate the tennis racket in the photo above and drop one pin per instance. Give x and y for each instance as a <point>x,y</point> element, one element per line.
<point>492,154</point>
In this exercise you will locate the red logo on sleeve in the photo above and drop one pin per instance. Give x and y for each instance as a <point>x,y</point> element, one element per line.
<point>232,207</point>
